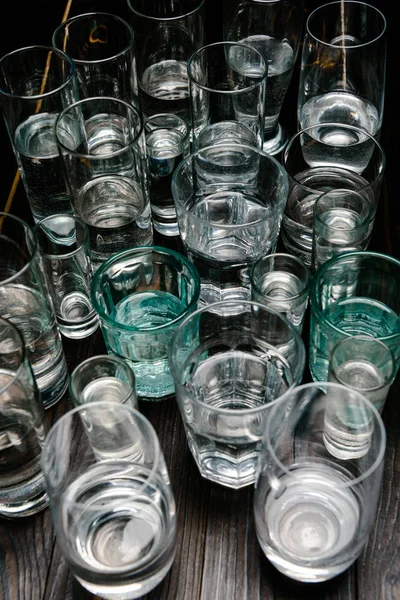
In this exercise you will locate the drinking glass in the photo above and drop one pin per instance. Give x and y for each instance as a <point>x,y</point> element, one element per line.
<point>102,49</point>
<point>224,132</point>
<point>343,68</point>
<point>281,282</point>
<point>166,35</point>
<point>36,84</point>
<point>110,500</point>
<point>364,364</point>
<point>25,301</point>
<point>342,222</point>
<point>353,293</point>
<point>317,161</point>
<point>316,494</point>
<point>103,377</point>
<point>229,201</point>
<point>227,82</point>
<point>102,146</point>
<point>23,428</point>
<point>275,29</point>
<point>141,295</point>
<point>167,144</point>
<point>65,257</point>
<point>231,361</point>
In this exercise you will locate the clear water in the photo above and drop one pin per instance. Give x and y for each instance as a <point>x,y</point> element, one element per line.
<point>108,389</point>
<point>27,309</point>
<point>147,347</point>
<point>353,316</point>
<point>40,166</point>
<point>279,290</point>
<point>311,520</point>
<point>225,444</point>
<point>119,530</point>
<point>164,88</point>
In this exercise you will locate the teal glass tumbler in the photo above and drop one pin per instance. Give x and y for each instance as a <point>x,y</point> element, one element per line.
<point>141,295</point>
<point>355,293</point>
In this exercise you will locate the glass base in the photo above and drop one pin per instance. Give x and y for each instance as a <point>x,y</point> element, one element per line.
<point>274,142</point>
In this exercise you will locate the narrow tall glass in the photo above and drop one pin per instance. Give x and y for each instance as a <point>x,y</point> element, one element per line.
<point>319,480</point>
<point>353,293</point>
<point>343,67</point>
<point>101,46</point>
<point>23,428</point>
<point>111,503</point>
<point>36,84</point>
<point>25,300</point>
<point>229,200</point>
<point>230,362</point>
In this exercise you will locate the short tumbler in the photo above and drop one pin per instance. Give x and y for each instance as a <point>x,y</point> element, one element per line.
<point>319,480</point>
<point>141,295</point>
<point>230,361</point>
<point>353,293</point>
<point>111,502</point>
<point>23,428</point>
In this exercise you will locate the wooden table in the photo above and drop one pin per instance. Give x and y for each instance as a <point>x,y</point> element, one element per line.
<point>218,556</point>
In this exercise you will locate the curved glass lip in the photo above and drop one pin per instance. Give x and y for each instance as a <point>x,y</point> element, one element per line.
<point>262,79</point>
<point>328,384</point>
<point>47,455</point>
<point>99,157</point>
<point>189,319</point>
<point>168,19</point>
<point>307,273</point>
<point>72,217</point>
<point>314,305</point>
<point>84,16</point>
<point>116,258</point>
<point>343,46</point>
<point>109,358</point>
<point>65,58</point>
<point>367,216</point>
<point>33,250</point>
<point>22,352</point>
<point>228,146</point>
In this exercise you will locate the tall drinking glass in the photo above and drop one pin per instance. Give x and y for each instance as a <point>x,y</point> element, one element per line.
<point>231,361</point>
<point>36,84</point>
<point>110,499</point>
<point>275,29</point>
<point>23,428</point>
<point>229,201</point>
<point>166,35</point>
<point>25,301</point>
<point>353,293</point>
<point>102,146</point>
<point>101,46</point>
<point>319,480</point>
<point>317,160</point>
<point>343,68</point>
<point>227,82</point>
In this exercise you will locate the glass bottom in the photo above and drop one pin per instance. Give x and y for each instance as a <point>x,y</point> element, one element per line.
<point>275,142</point>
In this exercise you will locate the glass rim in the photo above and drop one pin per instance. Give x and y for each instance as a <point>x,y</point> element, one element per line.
<point>314,303</point>
<point>380,343</point>
<point>330,384</point>
<point>109,358</point>
<point>228,145</point>
<point>49,49</point>
<point>21,350</point>
<point>262,79</point>
<point>115,259</point>
<point>305,282</point>
<point>39,227</point>
<point>93,99</point>
<point>176,372</point>
<point>64,25</point>
<point>370,214</point>
<point>33,252</point>
<point>47,453</point>
<point>374,12</point>
<point>171,19</point>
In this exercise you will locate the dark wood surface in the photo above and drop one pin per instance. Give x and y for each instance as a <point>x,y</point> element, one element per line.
<point>218,557</point>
